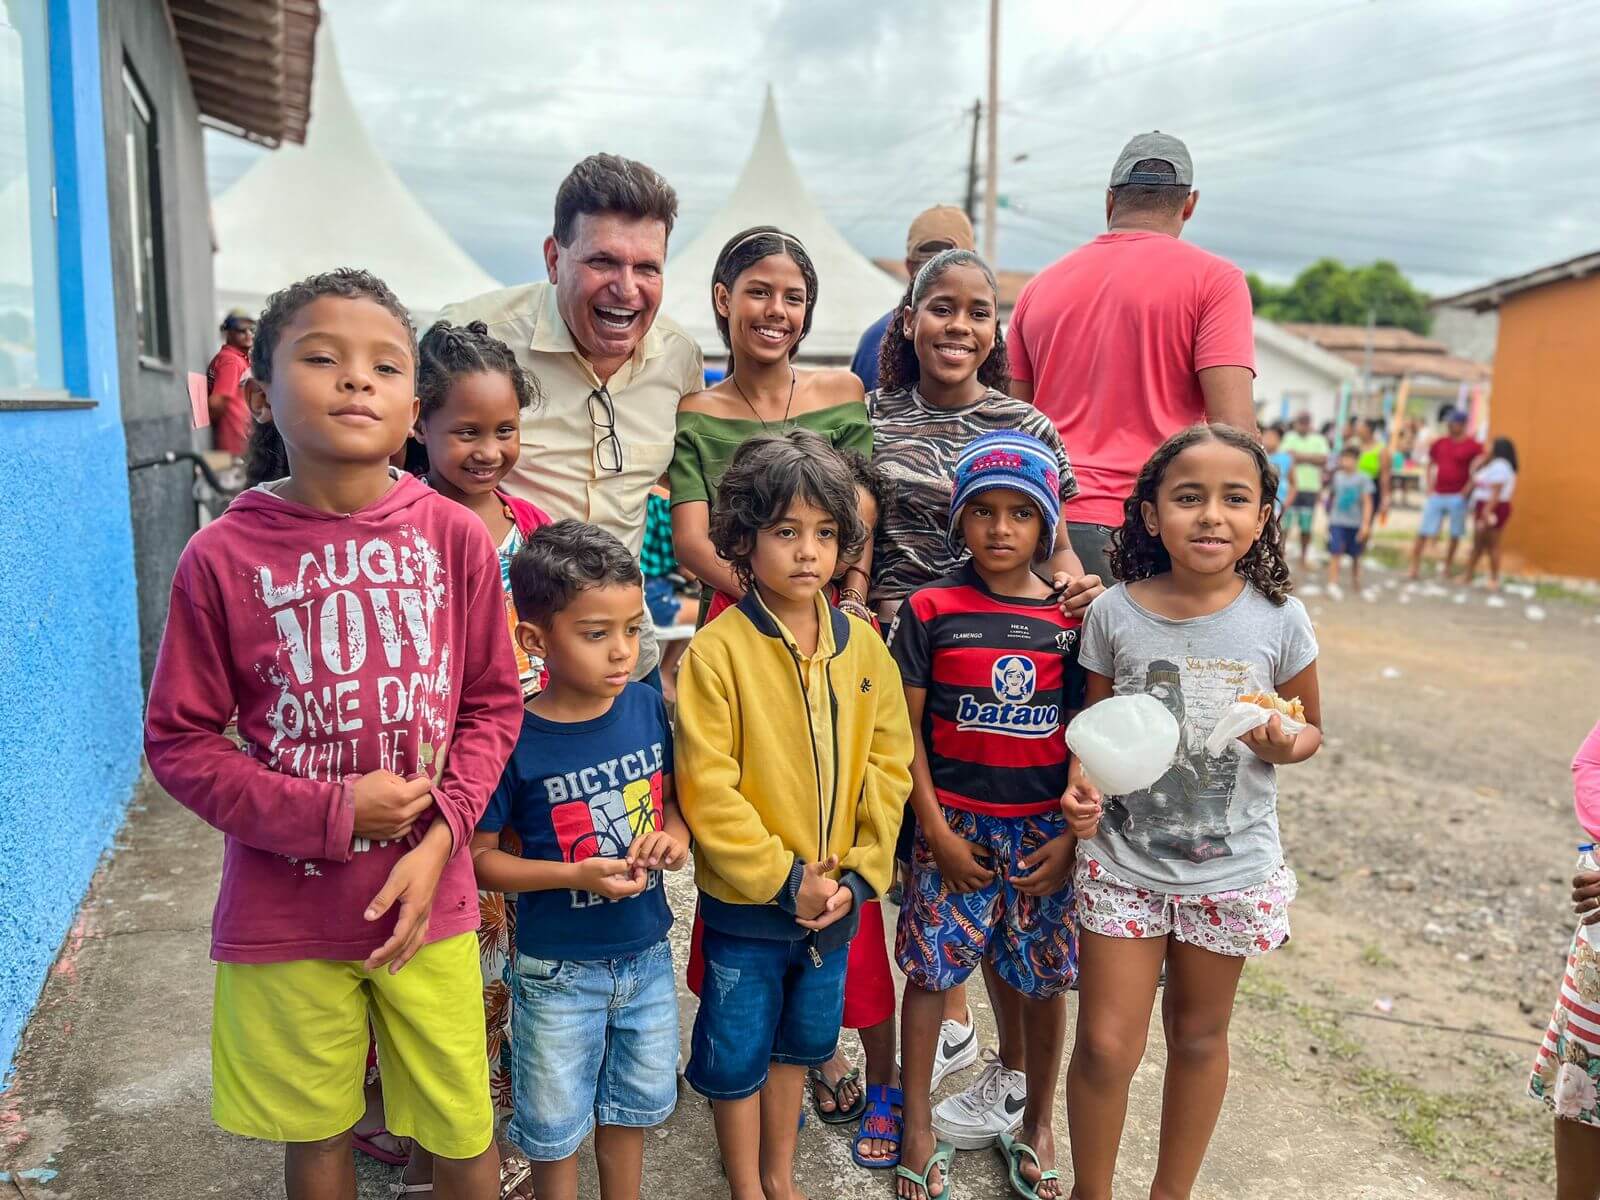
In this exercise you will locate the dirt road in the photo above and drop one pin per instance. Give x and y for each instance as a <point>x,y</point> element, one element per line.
<point>1433,838</point>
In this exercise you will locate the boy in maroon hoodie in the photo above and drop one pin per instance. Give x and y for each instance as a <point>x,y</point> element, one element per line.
<point>354,619</point>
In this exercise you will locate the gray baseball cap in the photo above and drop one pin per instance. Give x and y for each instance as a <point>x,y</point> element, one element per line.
<point>1154,144</point>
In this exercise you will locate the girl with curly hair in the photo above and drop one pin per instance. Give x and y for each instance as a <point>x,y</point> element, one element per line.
<point>1188,873</point>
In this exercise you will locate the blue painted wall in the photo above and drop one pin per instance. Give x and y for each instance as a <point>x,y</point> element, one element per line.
<point>69,637</point>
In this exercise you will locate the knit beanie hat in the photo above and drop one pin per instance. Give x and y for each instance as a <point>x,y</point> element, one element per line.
<point>1007,459</point>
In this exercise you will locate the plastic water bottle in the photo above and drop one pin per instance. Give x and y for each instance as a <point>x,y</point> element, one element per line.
<point>1586,862</point>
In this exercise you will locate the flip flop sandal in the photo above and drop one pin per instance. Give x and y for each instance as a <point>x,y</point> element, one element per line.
<point>515,1170</point>
<point>880,1122</point>
<point>1012,1151</point>
<point>367,1144</point>
<point>396,1190</point>
<point>939,1160</point>
<point>839,1116</point>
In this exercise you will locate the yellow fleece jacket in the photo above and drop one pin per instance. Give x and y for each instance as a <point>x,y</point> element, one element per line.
<point>761,778</point>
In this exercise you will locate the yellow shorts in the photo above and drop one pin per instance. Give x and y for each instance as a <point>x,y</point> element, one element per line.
<point>289,1048</point>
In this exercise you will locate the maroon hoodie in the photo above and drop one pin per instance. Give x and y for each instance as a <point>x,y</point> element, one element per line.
<point>347,644</point>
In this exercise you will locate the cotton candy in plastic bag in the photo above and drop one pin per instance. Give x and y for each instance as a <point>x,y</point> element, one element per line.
<point>1239,719</point>
<point>1124,742</point>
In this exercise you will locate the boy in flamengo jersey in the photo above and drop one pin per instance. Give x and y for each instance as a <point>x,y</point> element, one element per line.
<point>990,668</point>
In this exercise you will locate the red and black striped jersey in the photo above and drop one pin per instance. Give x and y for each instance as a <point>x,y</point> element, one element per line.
<point>1002,680</point>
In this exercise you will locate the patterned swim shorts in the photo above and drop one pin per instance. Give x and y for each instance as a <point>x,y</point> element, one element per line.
<point>943,935</point>
<point>1240,923</point>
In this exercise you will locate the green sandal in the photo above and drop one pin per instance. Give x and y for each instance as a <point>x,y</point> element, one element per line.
<point>943,1154</point>
<point>1012,1151</point>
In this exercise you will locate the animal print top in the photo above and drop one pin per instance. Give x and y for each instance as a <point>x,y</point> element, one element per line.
<point>916,445</point>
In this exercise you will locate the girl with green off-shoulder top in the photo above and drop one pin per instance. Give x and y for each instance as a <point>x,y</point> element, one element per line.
<point>763,292</point>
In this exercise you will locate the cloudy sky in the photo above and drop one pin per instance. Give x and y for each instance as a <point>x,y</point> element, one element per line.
<point>1455,138</point>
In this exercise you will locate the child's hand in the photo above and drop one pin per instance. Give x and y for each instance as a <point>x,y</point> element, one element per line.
<point>961,863</point>
<point>658,851</point>
<point>1586,896</point>
<point>1269,742</point>
<point>816,889</point>
<point>1049,867</point>
<point>1076,593</point>
<point>388,806</point>
<point>613,878</point>
<point>1081,803</point>
<point>1363,534</point>
<point>837,908</point>
<point>411,883</point>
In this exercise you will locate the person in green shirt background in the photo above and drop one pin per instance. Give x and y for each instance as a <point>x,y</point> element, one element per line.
<point>1309,449</point>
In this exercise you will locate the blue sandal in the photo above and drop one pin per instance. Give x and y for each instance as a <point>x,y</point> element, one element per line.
<point>879,1122</point>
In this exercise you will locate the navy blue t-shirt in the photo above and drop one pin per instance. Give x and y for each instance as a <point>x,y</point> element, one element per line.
<point>865,364</point>
<point>574,790</point>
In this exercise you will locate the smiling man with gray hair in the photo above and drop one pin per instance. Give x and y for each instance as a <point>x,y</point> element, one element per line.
<point>1132,337</point>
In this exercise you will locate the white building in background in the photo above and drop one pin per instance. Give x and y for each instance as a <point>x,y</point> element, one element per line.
<point>852,293</point>
<point>279,221</point>
<point>1294,375</point>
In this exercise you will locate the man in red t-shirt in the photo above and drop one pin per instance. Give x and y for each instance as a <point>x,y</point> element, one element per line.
<point>1133,337</point>
<point>1452,460</point>
<point>230,414</point>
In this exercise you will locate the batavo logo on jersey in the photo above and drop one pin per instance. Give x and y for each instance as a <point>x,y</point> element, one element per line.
<point>1013,680</point>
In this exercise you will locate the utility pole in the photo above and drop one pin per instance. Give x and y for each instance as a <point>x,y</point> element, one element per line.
<point>991,181</point>
<point>972,164</point>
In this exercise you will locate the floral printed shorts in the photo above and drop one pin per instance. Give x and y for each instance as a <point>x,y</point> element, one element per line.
<point>1239,923</point>
<point>1568,1064</point>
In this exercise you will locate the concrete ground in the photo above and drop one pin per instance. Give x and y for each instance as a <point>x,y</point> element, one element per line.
<point>110,1093</point>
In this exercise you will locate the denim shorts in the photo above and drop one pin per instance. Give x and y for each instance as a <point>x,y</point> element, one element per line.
<point>1345,541</point>
<point>763,1002</point>
<point>944,935</point>
<point>596,1042</point>
<point>662,598</point>
<point>1439,506</point>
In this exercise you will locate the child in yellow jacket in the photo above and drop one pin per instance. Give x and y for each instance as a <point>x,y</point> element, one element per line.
<point>793,755</point>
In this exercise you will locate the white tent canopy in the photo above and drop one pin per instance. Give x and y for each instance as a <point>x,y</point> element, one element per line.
<point>334,202</point>
<point>852,292</point>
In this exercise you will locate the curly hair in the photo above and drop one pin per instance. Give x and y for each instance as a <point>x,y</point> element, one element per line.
<point>767,474</point>
<point>898,367</point>
<point>560,560</point>
<point>743,251</point>
<point>448,352</point>
<point>267,458</point>
<point>1136,553</point>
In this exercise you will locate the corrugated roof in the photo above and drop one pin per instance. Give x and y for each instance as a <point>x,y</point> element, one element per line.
<point>250,63</point>
<point>1489,296</point>
<point>1354,337</point>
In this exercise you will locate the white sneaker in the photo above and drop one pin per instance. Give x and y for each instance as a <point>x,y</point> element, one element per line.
<point>975,1118</point>
<point>956,1050</point>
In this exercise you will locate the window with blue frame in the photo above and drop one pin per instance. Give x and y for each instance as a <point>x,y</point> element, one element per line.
<point>30,323</point>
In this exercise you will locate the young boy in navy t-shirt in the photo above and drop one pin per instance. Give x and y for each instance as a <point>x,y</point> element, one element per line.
<point>588,791</point>
<point>990,668</point>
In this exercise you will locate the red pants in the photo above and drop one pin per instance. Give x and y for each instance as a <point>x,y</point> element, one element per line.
<point>868,981</point>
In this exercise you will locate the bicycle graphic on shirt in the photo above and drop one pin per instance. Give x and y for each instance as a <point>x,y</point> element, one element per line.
<point>605,824</point>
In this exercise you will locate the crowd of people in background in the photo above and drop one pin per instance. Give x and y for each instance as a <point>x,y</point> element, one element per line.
<point>431,626</point>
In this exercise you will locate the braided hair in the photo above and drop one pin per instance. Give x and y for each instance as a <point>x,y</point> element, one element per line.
<point>267,458</point>
<point>446,353</point>
<point>1136,553</point>
<point>898,367</point>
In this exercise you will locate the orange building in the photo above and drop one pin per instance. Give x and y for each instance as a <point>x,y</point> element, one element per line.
<point>1546,399</point>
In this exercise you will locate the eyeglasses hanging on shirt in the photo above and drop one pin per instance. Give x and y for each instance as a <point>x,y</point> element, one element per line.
<point>608,451</point>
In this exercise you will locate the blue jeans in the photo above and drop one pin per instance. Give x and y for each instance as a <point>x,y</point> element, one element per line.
<point>1437,507</point>
<point>763,1002</point>
<point>595,1042</point>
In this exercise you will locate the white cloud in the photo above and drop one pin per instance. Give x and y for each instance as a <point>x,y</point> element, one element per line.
<point>1436,134</point>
